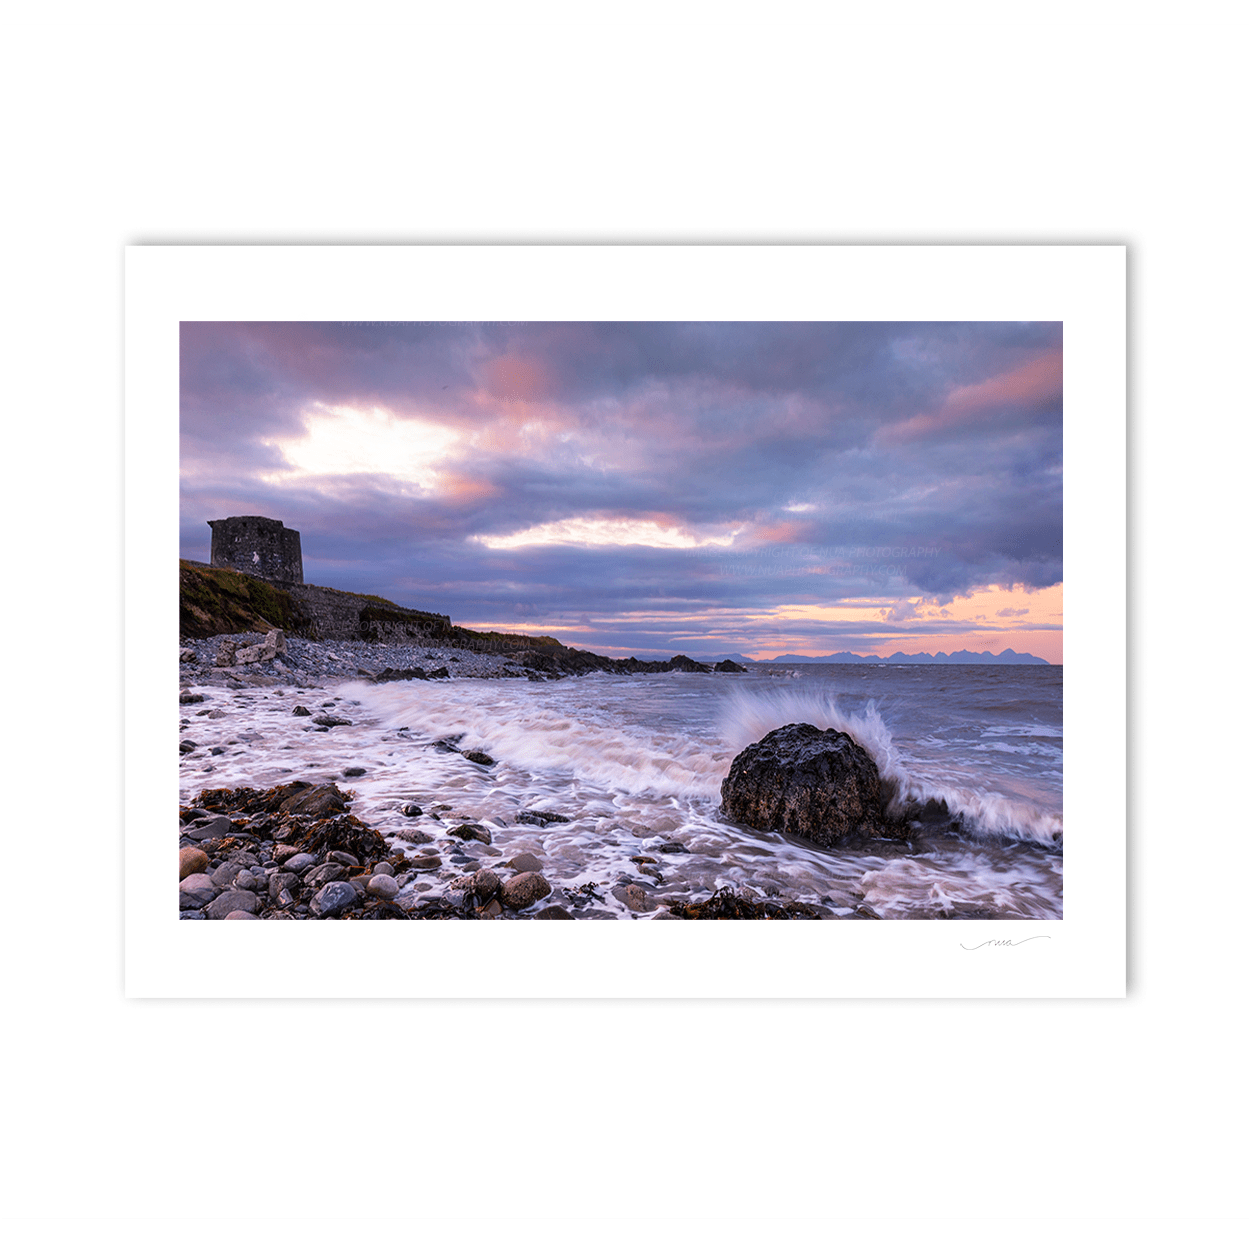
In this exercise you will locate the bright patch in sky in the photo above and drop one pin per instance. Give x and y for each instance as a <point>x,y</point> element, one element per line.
<point>600,532</point>
<point>349,440</point>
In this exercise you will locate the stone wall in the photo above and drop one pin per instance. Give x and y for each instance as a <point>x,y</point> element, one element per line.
<point>259,546</point>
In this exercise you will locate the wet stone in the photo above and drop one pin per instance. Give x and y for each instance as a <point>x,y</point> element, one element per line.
<point>353,772</point>
<point>383,886</point>
<point>470,832</point>
<point>281,881</point>
<point>231,900</point>
<point>485,885</point>
<point>524,889</point>
<point>542,819</point>
<point>634,897</point>
<point>215,827</point>
<point>553,913</point>
<point>197,890</point>
<point>317,877</point>
<point>191,860</point>
<point>525,862</point>
<point>333,899</point>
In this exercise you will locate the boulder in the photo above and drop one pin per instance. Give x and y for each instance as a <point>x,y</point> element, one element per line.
<point>191,860</point>
<point>728,666</point>
<point>225,653</point>
<point>231,900</point>
<point>324,875</point>
<point>213,827</point>
<point>542,819</point>
<point>684,664</point>
<point>382,885</point>
<point>634,897</point>
<point>280,883</point>
<point>333,899</point>
<point>820,785</point>
<point>473,833</point>
<point>316,802</point>
<point>401,674</point>
<point>525,862</point>
<point>485,885</point>
<point>223,876</point>
<point>196,891</point>
<point>525,888</point>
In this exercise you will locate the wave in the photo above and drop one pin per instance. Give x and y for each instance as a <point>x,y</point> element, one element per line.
<point>562,733</point>
<point>747,715</point>
<point>547,736</point>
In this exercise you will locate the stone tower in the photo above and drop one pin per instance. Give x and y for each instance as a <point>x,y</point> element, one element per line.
<point>257,545</point>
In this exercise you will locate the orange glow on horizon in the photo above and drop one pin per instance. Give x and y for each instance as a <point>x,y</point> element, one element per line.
<point>993,619</point>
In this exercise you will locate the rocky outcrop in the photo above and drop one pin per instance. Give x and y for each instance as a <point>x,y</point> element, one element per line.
<point>819,785</point>
<point>728,666</point>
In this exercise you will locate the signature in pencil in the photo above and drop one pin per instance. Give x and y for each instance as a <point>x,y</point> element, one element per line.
<point>1005,942</point>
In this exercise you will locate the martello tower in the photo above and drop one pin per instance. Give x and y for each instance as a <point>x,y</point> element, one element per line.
<point>257,545</point>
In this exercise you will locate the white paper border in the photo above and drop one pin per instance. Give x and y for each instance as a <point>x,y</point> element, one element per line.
<point>1082,955</point>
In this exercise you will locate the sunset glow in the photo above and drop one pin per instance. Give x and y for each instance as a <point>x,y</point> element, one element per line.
<point>648,488</point>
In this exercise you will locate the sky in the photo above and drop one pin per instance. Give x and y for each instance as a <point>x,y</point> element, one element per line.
<point>646,488</point>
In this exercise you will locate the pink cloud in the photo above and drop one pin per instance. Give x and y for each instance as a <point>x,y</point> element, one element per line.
<point>1031,385</point>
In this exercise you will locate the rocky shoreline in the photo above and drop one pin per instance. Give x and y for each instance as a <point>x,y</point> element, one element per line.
<point>256,659</point>
<point>294,851</point>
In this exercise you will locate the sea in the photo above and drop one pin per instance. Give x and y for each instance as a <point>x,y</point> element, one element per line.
<point>974,753</point>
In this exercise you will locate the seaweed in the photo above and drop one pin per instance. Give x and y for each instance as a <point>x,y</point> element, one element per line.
<point>724,904</point>
<point>340,833</point>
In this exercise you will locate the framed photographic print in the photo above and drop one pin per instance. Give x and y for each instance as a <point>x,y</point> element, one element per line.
<point>626,585</point>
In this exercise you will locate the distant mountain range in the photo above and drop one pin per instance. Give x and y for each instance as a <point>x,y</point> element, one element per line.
<point>923,657</point>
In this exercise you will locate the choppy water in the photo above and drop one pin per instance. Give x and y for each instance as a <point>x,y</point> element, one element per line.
<point>637,762</point>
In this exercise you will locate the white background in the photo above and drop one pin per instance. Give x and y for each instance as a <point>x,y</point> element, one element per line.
<point>1108,1123</point>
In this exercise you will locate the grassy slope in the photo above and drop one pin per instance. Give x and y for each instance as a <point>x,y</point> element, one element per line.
<point>221,601</point>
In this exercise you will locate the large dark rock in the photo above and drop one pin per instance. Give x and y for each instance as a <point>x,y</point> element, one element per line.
<point>820,785</point>
<point>403,674</point>
<point>728,666</point>
<point>684,664</point>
